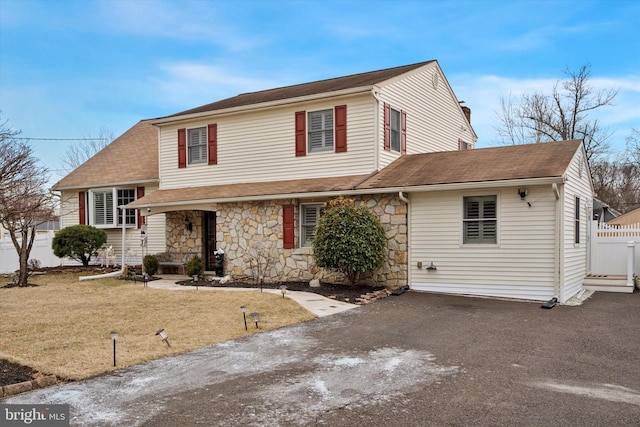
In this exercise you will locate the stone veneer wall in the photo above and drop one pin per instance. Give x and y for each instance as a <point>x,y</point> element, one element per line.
<point>250,233</point>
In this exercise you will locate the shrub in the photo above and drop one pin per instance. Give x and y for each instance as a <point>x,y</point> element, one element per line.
<point>349,239</point>
<point>79,242</point>
<point>194,266</point>
<point>151,264</point>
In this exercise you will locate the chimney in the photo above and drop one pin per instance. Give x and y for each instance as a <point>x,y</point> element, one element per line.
<point>467,112</point>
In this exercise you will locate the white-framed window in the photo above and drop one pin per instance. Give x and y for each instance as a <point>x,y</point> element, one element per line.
<point>320,133</point>
<point>480,221</point>
<point>576,237</point>
<point>104,212</point>
<point>395,129</point>
<point>310,215</point>
<point>197,145</point>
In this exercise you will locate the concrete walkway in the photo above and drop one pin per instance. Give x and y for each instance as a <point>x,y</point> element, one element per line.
<point>315,303</point>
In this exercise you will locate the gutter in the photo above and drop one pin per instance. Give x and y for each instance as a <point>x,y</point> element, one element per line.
<point>352,192</point>
<point>105,185</point>
<point>259,106</point>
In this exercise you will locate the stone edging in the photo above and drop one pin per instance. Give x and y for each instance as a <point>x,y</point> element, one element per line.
<point>11,389</point>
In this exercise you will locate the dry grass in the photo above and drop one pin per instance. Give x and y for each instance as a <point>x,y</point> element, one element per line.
<point>63,326</point>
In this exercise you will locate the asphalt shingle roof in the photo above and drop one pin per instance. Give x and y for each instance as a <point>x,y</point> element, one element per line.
<point>322,86</point>
<point>546,160</point>
<point>130,158</point>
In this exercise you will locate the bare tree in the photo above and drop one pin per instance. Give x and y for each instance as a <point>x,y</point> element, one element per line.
<point>24,201</point>
<point>560,115</point>
<point>616,180</point>
<point>86,148</point>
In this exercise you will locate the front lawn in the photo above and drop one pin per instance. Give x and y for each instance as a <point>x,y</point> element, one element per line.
<point>62,326</point>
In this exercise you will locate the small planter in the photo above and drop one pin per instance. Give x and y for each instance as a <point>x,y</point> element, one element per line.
<point>636,280</point>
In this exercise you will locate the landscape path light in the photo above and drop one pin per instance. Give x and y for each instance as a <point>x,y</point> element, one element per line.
<point>114,338</point>
<point>145,279</point>
<point>283,289</point>
<point>254,317</point>
<point>163,336</point>
<point>244,315</point>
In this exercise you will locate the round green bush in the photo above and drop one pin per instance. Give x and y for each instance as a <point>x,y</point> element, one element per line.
<point>79,242</point>
<point>194,266</point>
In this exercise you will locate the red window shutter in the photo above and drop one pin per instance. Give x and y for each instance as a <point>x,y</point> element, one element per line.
<point>403,137</point>
<point>182,148</point>
<point>301,130</point>
<point>341,128</point>
<point>288,227</point>
<point>387,127</point>
<point>140,195</point>
<point>213,144</point>
<point>82,208</point>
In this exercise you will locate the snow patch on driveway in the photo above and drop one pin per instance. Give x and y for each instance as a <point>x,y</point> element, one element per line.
<point>339,381</point>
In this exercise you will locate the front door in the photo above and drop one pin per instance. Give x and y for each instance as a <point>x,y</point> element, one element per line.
<point>209,240</point>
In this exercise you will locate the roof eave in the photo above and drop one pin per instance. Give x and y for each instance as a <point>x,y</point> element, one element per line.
<point>323,194</point>
<point>261,105</point>
<point>105,185</point>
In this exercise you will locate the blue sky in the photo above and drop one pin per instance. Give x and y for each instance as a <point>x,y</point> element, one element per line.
<point>69,68</point>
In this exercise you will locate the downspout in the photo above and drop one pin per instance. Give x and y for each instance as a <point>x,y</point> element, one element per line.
<point>557,268</point>
<point>559,228</point>
<point>376,128</point>
<point>115,273</point>
<point>402,197</point>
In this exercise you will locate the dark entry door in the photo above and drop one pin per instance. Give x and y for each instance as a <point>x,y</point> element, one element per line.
<point>210,240</point>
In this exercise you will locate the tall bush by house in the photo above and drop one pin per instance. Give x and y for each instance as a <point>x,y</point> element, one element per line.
<point>349,239</point>
<point>79,242</point>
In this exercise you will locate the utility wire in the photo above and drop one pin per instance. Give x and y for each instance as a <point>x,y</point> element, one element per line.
<point>61,139</point>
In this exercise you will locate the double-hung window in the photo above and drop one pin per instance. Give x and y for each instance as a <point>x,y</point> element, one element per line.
<point>480,223</point>
<point>197,145</point>
<point>395,130</point>
<point>310,217</point>
<point>104,207</point>
<point>320,134</point>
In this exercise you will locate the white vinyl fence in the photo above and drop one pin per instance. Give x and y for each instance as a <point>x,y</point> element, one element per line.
<point>615,249</point>
<point>41,251</point>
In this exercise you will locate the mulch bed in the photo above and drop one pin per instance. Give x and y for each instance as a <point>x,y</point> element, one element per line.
<point>345,293</point>
<point>11,373</point>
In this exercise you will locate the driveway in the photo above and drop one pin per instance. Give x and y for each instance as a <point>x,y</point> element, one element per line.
<point>412,360</point>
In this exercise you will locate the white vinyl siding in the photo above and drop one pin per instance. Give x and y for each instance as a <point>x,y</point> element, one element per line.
<point>320,131</point>
<point>574,265</point>
<point>521,266</point>
<point>251,143</point>
<point>197,145</point>
<point>434,120</point>
<point>310,214</point>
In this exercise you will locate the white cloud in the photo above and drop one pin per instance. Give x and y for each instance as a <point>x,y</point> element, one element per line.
<point>482,93</point>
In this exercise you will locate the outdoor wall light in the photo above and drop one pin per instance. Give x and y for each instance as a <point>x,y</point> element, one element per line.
<point>114,338</point>
<point>188,224</point>
<point>244,315</point>
<point>254,317</point>
<point>163,336</point>
<point>522,192</point>
<point>283,289</point>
